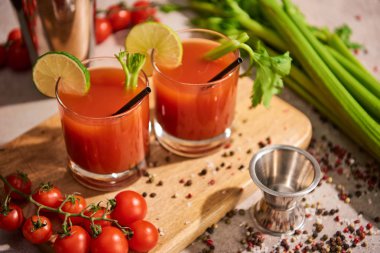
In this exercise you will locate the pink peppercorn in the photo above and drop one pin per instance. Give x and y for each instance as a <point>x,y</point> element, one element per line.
<point>209,242</point>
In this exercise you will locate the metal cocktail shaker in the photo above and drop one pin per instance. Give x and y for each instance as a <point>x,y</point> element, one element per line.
<point>57,25</point>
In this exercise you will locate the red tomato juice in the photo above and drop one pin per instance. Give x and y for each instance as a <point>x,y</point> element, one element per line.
<point>96,141</point>
<point>185,107</point>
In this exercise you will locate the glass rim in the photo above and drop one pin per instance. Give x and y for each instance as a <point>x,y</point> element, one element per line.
<point>205,84</point>
<point>111,117</point>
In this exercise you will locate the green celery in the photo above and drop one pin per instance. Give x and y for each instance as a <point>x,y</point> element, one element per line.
<point>364,77</point>
<point>368,100</point>
<point>298,36</point>
<point>131,63</point>
<point>269,69</point>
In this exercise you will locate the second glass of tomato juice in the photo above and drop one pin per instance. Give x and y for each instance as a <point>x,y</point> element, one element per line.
<point>105,152</point>
<point>192,115</point>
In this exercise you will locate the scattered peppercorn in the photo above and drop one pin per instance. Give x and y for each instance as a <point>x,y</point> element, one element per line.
<point>203,172</point>
<point>211,182</point>
<point>261,144</point>
<point>188,182</point>
<point>318,227</point>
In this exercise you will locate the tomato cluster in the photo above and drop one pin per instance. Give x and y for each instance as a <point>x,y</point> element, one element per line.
<point>119,17</point>
<point>14,52</point>
<point>117,226</point>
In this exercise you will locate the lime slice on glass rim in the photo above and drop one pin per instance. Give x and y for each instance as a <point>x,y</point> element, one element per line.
<point>74,76</point>
<point>165,42</point>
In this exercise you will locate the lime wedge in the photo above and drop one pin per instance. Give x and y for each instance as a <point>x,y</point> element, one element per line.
<point>145,37</point>
<point>74,76</point>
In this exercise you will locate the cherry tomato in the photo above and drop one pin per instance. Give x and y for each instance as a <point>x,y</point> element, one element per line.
<point>103,29</point>
<point>145,236</point>
<point>77,242</point>
<point>130,206</point>
<point>36,230</point>
<point>48,195</point>
<point>14,35</point>
<point>96,212</point>
<point>119,17</point>
<point>143,11</point>
<point>111,240</point>
<point>12,219</point>
<point>18,56</point>
<point>75,204</point>
<point>19,181</point>
<point>3,56</point>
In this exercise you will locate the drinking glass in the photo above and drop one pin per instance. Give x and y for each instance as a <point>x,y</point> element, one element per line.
<point>105,152</point>
<point>192,115</point>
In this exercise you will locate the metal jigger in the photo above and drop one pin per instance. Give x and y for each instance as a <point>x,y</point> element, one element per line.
<point>285,174</point>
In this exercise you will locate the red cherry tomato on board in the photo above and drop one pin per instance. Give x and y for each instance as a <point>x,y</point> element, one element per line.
<point>111,240</point>
<point>74,204</point>
<point>3,56</point>
<point>142,11</point>
<point>78,241</point>
<point>145,236</point>
<point>14,35</point>
<point>96,212</point>
<point>130,206</point>
<point>18,56</point>
<point>119,17</point>
<point>19,181</point>
<point>37,230</point>
<point>103,29</point>
<point>11,219</point>
<point>48,195</point>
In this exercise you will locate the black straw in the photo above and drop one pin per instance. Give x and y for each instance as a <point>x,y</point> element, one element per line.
<point>227,69</point>
<point>133,101</point>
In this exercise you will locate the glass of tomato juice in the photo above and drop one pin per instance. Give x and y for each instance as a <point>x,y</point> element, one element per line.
<point>105,152</point>
<point>193,116</point>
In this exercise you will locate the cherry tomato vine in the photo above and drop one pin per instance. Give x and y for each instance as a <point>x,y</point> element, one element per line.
<point>79,220</point>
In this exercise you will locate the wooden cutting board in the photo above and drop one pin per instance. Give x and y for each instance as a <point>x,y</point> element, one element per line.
<point>41,153</point>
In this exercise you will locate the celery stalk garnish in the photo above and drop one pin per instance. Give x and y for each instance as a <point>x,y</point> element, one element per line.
<point>131,63</point>
<point>269,70</point>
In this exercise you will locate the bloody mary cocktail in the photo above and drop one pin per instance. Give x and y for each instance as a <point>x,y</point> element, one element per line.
<point>104,150</point>
<point>193,116</point>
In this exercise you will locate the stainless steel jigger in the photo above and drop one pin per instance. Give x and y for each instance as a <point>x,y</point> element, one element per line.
<point>285,174</point>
